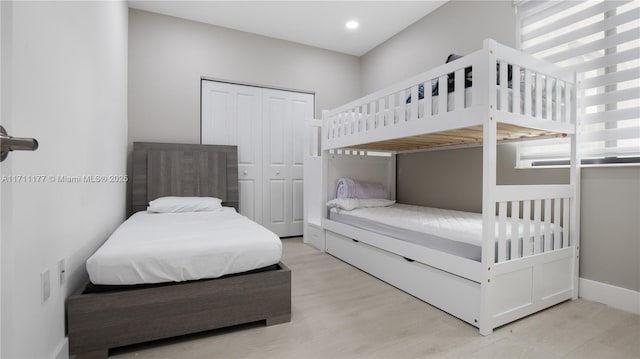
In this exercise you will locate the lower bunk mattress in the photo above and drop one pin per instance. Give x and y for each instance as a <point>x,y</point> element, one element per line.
<point>455,232</point>
<point>152,248</point>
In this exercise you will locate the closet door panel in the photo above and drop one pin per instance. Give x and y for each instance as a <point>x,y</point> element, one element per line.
<point>218,114</point>
<point>301,110</point>
<point>298,211</point>
<point>247,194</point>
<point>249,142</point>
<point>247,111</point>
<point>277,210</point>
<point>231,115</point>
<point>284,113</point>
<point>276,155</point>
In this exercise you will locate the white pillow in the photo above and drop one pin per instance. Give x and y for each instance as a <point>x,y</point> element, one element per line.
<point>349,204</point>
<point>184,204</point>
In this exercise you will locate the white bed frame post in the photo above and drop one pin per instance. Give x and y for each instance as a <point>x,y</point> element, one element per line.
<point>484,79</point>
<point>575,181</point>
<point>324,197</point>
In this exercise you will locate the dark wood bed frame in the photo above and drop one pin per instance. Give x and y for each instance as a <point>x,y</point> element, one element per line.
<point>99,321</point>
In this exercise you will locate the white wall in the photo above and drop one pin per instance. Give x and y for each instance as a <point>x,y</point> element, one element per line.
<point>64,81</point>
<point>610,234</point>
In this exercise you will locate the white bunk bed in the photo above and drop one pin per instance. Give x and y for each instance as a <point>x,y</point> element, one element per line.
<point>360,140</point>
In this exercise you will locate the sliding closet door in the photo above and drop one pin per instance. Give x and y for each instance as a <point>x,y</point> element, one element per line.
<point>231,115</point>
<point>284,115</point>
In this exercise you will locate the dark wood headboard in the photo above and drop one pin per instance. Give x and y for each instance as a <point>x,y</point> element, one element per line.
<point>172,169</point>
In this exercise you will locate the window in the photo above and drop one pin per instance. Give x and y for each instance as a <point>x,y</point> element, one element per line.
<point>600,39</point>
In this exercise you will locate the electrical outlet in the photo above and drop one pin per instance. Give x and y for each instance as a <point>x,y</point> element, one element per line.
<point>45,285</point>
<point>62,272</point>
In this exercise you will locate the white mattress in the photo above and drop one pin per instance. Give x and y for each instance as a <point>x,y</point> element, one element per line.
<point>175,247</point>
<point>451,231</point>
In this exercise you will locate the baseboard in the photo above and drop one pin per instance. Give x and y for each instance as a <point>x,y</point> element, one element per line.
<point>63,350</point>
<point>615,297</point>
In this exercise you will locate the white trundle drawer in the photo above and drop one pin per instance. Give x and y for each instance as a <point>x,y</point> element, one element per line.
<point>455,295</point>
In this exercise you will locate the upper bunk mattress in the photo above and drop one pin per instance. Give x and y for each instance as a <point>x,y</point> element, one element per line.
<point>175,247</point>
<point>454,232</point>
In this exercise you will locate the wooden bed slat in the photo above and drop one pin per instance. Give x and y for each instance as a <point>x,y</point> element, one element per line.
<point>557,242</point>
<point>565,222</point>
<point>557,116</point>
<point>469,135</point>
<point>537,215</point>
<point>527,247</point>
<point>527,92</point>
<point>547,225</point>
<point>413,112</point>
<point>428,100</point>
<point>459,89</point>
<point>548,99</point>
<point>516,90</point>
<point>504,89</point>
<point>502,232</point>
<point>515,237</point>
<point>567,102</point>
<point>443,84</point>
<point>538,96</point>
<point>392,106</point>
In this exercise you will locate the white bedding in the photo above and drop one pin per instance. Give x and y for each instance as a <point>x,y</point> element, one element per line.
<point>175,247</point>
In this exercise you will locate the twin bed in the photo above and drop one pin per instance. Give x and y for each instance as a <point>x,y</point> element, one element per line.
<point>520,255</point>
<point>167,274</point>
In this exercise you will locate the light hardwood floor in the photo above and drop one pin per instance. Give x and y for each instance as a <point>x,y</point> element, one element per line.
<point>340,311</point>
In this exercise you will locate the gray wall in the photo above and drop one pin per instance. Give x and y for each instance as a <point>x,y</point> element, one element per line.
<point>168,56</point>
<point>610,229</point>
<point>456,27</point>
<point>453,178</point>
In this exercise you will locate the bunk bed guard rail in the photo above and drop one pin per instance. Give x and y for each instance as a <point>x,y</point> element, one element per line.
<point>451,101</point>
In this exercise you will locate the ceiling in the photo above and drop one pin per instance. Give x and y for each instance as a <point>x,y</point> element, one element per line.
<point>315,23</point>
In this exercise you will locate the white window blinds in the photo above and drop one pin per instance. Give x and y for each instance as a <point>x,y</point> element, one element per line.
<point>600,40</point>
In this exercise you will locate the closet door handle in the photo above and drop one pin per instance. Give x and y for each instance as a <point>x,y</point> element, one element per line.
<point>244,173</point>
<point>10,143</point>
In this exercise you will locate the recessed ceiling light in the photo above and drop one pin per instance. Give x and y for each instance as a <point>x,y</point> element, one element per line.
<point>352,24</point>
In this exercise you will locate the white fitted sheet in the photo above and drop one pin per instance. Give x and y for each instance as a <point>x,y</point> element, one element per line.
<point>455,232</point>
<point>175,247</point>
